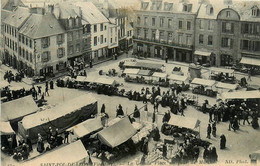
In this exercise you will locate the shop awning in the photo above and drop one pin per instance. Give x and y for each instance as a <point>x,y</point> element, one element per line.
<point>226,86</point>
<point>203,82</point>
<point>18,108</point>
<point>223,70</point>
<point>117,134</point>
<point>241,95</point>
<point>86,127</point>
<point>3,84</point>
<point>106,81</point>
<point>131,71</point>
<point>186,122</point>
<point>72,153</point>
<point>5,128</point>
<point>202,53</point>
<point>81,78</point>
<point>178,77</point>
<point>250,61</point>
<point>144,72</point>
<point>160,75</point>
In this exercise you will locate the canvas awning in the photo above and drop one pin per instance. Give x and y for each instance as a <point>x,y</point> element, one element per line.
<point>186,122</point>
<point>223,70</point>
<point>250,61</point>
<point>154,66</point>
<point>18,108</point>
<point>72,153</point>
<point>144,72</point>
<point>203,82</point>
<point>131,71</point>
<point>3,84</point>
<point>117,134</point>
<point>129,64</point>
<point>5,128</point>
<point>14,88</point>
<point>202,53</point>
<point>60,110</point>
<point>105,81</point>
<point>241,95</point>
<point>86,127</point>
<point>81,78</point>
<point>160,75</point>
<point>178,77</point>
<point>226,86</point>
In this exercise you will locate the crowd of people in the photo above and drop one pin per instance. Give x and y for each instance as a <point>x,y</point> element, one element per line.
<point>9,76</point>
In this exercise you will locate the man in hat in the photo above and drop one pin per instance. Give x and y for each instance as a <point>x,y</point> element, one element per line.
<point>208,131</point>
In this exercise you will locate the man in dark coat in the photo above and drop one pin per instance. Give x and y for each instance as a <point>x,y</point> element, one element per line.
<point>103,108</point>
<point>120,111</point>
<point>208,131</point>
<point>214,129</point>
<point>222,141</point>
<point>51,84</point>
<point>136,112</point>
<point>164,150</point>
<point>29,143</point>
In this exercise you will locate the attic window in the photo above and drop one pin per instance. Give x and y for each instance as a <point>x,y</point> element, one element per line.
<point>187,7</point>
<point>145,5</point>
<point>255,11</point>
<point>168,6</point>
<point>211,10</point>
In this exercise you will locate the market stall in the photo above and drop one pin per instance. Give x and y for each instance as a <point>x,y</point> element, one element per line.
<point>240,95</point>
<point>131,72</point>
<point>160,79</point>
<point>5,128</point>
<point>71,154</point>
<point>85,128</point>
<point>145,73</point>
<point>117,133</point>
<point>105,81</point>
<point>203,87</point>
<point>226,87</point>
<point>62,116</point>
<point>150,66</point>
<point>184,122</point>
<point>222,74</point>
<point>173,78</point>
<point>15,110</point>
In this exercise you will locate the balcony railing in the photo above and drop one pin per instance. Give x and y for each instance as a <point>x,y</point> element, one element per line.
<point>162,41</point>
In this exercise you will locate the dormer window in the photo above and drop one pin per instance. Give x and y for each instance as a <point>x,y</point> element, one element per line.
<point>187,7</point>
<point>168,6</point>
<point>211,10</point>
<point>255,11</point>
<point>145,5</point>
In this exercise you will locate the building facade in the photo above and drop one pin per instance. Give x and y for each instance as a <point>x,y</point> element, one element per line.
<point>165,29</point>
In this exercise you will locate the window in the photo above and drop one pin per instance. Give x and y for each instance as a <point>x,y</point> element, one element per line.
<point>188,25</point>
<point>138,20</point>
<point>227,13</point>
<point>180,24</point>
<point>201,24</point>
<point>23,39</point>
<point>188,39</point>
<point>26,41</point>
<point>227,27</point>
<point>30,43</point>
<point>226,60</point>
<point>226,42</point>
<point>255,11</point>
<point>185,8</point>
<point>249,45</point>
<point>30,57</point>
<point>170,36</point>
<point>210,40</point>
<point>45,42</point>
<point>101,27</point>
<point>138,32</point>
<point>111,40</point>
<point>145,34</point>
<point>95,41</point>
<point>211,10</point>
<point>101,39</point>
<point>78,34</point>
<point>15,33</point>
<point>78,48</point>
<point>23,53</point>
<point>20,37</point>
<point>169,23</point>
<point>46,56</point>
<point>70,22</point>
<point>16,46</point>
<point>20,51</point>
<point>115,39</point>
<point>200,39</point>
<point>153,21</point>
<point>59,38</point>
<point>180,38</point>
<point>210,26</point>
<point>27,55</point>
<point>105,27</point>
<point>161,22</point>
<point>95,28</point>
<point>145,21</point>
<point>70,49</point>
<point>153,35</point>
<point>70,38</point>
<point>161,35</point>
<point>60,52</point>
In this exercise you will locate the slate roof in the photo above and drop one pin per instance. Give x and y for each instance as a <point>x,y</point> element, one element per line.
<point>17,17</point>
<point>5,14</point>
<point>66,10</point>
<point>11,4</point>
<point>38,26</point>
<point>90,13</point>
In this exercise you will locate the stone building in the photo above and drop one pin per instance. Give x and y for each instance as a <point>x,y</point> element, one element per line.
<point>165,28</point>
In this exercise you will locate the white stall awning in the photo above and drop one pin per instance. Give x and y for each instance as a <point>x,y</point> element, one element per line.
<point>202,53</point>
<point>223,70</point>
<point>186,122</point>
<point>178,77</point>
<point>241,95</point>
<point>226,86</point>
<point>131,71</point>
<point>160,75</point>
<point>250,61</point>
<point>204,82</point>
